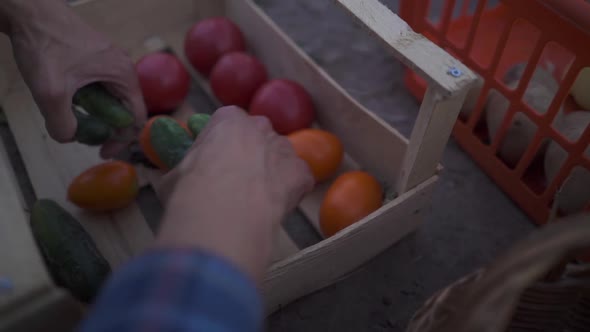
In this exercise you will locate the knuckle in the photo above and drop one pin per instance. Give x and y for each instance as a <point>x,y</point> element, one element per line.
<point>284,145</point>
<point>262,121</point>
<point>228,111</point>
<point>305,171</point>
<point>52,93</point>
<point>58,134</point>
<point>186,164</point>
<point>264,125</point>
<point>119,57</point>
<point>60,138</point>
<point>226,115</point>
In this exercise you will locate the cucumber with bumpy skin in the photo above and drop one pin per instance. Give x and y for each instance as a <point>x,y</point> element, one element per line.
<point>98,102</point>
<point>170,141</point>
<point>197,122</point>
<point>70,253</point>
<point>91,130</point>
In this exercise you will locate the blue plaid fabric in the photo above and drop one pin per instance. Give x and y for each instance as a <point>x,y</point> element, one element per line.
<point>176,291</point>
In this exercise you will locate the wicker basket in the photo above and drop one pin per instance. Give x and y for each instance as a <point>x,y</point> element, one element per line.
<point>535,286</point>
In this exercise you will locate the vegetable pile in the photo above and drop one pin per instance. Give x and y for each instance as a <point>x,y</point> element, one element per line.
<point>217,49</point>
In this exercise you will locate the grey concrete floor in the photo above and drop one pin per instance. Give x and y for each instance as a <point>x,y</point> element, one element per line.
<point>471,220</point>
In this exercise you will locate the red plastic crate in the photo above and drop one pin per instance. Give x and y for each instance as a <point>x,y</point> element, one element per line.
<point>492,37</point>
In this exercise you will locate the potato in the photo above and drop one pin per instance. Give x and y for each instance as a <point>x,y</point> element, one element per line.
<point>521,131</point>
<point>581,89</point>
<point>575,190</point>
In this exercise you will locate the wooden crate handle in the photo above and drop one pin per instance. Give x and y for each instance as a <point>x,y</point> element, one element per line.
<point>429,138</point>
<point>411,48</point>
<point>448,83</point>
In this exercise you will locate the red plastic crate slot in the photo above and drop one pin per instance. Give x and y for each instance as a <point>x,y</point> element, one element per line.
<point>491,41</point>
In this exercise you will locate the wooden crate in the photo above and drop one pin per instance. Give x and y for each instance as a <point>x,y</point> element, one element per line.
<point>408,167</point>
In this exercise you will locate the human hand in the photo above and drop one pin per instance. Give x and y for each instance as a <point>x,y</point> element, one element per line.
<point>58,53</point>
<point>233,189</point>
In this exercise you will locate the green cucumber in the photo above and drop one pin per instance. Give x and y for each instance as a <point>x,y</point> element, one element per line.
<point>197,122</point>
<point>92,130</point>
<point>70,253</point>
<point>170,141</point>
<point>97,101</point>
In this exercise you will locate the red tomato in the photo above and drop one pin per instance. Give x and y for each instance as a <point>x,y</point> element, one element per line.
<point>208,40</point>
<point>164,82</point>
<point>236,77</point>
<point>286,104</point>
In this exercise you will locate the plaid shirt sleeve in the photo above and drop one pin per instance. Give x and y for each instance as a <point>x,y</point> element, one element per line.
<point>177,291</point>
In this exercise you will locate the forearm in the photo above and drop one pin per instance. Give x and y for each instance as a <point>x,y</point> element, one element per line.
<point>246,243</point>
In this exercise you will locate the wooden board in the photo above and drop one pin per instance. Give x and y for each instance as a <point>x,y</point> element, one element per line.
<point>29,300</point>
<point>320,265</point>
<point>430,135</point>
<point>8,70</point>
<point>284,247</point>
<point>22,270</point>
<point>54,308</point>
<point>130,22</point>
<point>411,48</point>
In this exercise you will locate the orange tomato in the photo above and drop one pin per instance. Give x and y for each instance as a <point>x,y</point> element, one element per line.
<point>105,187</point>
<point>321,150</point>
<point>146,143</point>
<point>351,197</point>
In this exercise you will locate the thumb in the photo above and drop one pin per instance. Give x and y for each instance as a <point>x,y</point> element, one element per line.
<point>56,107</point>
<point>61,126</point>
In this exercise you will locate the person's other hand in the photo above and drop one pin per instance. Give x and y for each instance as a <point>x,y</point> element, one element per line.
<point>233,189</point>
<point>58,53</point>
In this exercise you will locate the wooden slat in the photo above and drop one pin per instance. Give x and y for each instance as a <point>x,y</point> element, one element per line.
<point>8,70</point>
<point>21,264</point>
<point>52,166</point>
<point>55,309</point>
<point>430,135</point>
<point>12,179</point>
<point>128,23</point>
<point>411,48</point>
<point>322,264</point>
<point>284,247</point>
